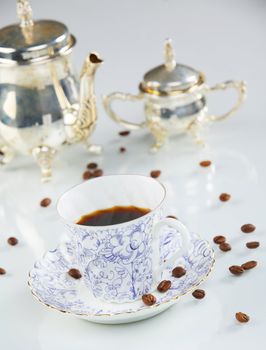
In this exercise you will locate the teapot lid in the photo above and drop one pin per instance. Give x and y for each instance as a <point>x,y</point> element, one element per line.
<point>170,78</point>
<point>30,42</point>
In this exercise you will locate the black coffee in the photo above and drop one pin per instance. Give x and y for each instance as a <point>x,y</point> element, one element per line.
<point>112,216</point>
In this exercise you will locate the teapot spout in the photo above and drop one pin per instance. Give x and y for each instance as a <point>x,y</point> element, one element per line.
<point>87,113</point>
<point>90,65</point>
<point>80,119</point>
<point>87,77</point>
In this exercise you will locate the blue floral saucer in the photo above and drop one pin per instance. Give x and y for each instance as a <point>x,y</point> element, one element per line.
<point>52,286</point>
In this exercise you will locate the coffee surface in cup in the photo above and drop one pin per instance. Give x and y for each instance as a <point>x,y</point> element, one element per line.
<point>112,216</point>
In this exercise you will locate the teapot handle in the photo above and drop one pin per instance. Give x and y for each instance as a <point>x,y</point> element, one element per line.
<point>107,102</point>
<point>241,88</point>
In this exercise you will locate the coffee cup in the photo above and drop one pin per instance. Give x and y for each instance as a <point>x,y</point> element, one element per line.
<point>120,262</point>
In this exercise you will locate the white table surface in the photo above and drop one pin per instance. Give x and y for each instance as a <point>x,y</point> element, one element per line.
<point>225,39</point>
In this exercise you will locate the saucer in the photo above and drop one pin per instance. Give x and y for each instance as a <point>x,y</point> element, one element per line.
<point>52,286</point>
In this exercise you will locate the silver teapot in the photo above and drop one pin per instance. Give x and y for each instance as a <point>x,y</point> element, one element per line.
<point>42,103</point>
<point>174,100</point>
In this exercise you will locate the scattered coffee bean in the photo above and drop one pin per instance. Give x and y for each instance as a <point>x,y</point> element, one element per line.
<point>148,299</point>
<point>75,273</point>
<point>45,202</point>
<point>248,228</point>
<point>178,271</point>
<point>97,173</point>
<point>252,245</point>
<point>198,293</point>
<point>12,241</point>
<point>219,239</point>
<point>2,271</point>
<point>164,286</point>
<point>92,166</point>
<point>122,149</point>
<point>172,217</point>
<point>249,265</point>
<point>224,197</point>
<point>241,317</point>
<point>225,247</point>
<point>205,163</point>
<point>124,133</point>
<point>87,175</point>
<point>155,173</point>
<point>2,153</point>
<point>236,270</point>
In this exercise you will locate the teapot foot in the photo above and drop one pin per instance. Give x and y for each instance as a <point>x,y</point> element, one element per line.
<point>6,154</point>
<point>94,149</point>
<point>44,156</point>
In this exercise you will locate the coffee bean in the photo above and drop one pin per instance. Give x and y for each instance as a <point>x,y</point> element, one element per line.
<point>225,247</point>
<point>92,166</point>
<point>252,245</point>
<point>148,299</point>
<point>2,271</point>
<point>249,265</point>
<point>87,175</point>
<point>172,217</point>
<point>75,273</point>
<point>236,270</point>
<point>12,241</point>
<point>45,202</point>
<point>97,173</point>
<point>198,293</point>
<point>219,239</point>
<point>248,228</point>
<point>164,286</point>
<point>124,133</point>
<point>241,317</point>
<point>205,163</point>
<point>155,173</point>
<point>122,149</point>
<point>224,197</point>
<point>178,271</point>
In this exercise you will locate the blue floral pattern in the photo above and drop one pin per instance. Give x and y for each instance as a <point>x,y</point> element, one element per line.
<point>116,262</point>
<point>51,284</point>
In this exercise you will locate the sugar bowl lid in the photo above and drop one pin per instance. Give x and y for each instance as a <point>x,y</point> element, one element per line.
<point>170,78</point>
<point>31,42</point>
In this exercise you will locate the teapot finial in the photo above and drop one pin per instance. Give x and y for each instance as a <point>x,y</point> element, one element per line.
<point>24,12</point>
<point>169,55</point>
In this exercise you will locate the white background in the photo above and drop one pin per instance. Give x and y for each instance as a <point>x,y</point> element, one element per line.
<point>226,40</point>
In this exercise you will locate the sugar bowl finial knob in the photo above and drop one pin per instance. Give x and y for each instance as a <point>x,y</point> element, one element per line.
<point>24,12</point>
<point>169,55</point>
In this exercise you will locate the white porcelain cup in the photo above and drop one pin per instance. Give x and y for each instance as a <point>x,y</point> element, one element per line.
<point>119,263</point>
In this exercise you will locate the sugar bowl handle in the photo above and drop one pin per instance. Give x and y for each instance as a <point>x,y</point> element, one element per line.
<point>239,86</point>
<point>107,102</point>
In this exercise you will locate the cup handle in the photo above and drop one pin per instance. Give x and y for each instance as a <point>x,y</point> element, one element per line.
<point>107,103</point>
<point>185,238</point>
<point>241,88</point>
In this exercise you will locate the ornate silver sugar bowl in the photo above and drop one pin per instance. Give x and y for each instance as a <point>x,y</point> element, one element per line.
<point>175,102</point>
<point>42,103</point>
